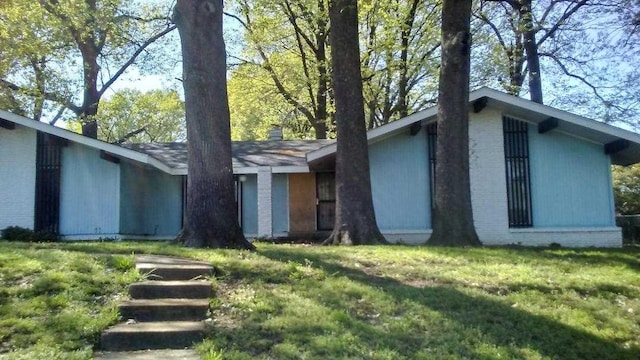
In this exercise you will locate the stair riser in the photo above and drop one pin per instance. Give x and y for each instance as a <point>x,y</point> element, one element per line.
<point>170,292</point>
<point>163,313</point>
<point>115,341</point>
<point>175,273</point>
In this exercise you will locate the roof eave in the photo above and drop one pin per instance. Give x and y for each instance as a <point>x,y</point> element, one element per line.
<point>591,130</point>
<point>90,142</point>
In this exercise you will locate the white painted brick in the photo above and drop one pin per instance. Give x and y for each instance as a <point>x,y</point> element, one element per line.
<point>489,195</point>
<point>487,171</point>
<point>17,177</point>
<point>570,237</point>
<point>265,225</point>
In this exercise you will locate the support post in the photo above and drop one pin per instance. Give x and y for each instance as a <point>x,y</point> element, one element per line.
<point>265,228</point>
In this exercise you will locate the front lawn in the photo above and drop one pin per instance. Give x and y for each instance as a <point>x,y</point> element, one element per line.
<point>307,302</point>
<point>54,302</point>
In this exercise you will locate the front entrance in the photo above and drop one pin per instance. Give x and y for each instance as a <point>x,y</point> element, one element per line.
<point>325,200</point>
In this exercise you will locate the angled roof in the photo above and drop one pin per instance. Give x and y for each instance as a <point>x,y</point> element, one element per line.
<point>283,155</point>
<point>530,111</point>
<point>94,143</point>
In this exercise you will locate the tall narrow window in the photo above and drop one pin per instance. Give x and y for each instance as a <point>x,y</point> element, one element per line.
<point>516,156</point>
<point>326,200</point>
<point>432,134</point>
<point>48,169</point>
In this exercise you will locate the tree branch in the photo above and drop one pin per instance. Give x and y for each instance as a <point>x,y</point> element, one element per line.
<point>566,71</point>
<point>129,135</point>
<point>133,57</point>
<point>563,18</point>
<point>46,95</point>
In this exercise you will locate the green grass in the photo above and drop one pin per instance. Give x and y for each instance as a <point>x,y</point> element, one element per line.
<point>54,302</point>
<point>307,302</point>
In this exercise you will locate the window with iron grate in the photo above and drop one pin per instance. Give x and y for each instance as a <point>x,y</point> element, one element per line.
<point>516,156</point>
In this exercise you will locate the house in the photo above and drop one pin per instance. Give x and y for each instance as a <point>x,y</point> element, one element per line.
<point>539,175</point>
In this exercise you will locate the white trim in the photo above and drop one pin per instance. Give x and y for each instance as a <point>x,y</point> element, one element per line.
<point>91,237</point>
<point>265,201</point>
<point>378,133</point>
<point>404,231</point>
<point>147,237</point>
<point>290,169</point>
<point>562,230</point>
<point>556,113</point>
<point>245,170</point>
<point>90,142</point>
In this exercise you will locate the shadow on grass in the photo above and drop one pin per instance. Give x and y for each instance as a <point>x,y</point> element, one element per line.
<point>497,323</point>
<point>629,256</point>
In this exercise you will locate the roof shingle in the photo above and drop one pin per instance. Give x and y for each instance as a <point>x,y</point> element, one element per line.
<point>244,153</point>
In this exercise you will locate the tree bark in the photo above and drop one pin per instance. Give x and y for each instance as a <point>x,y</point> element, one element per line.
<point>531,47</point>
<point>355,218</point>
<point>211,218</point>
<point>453,215</point>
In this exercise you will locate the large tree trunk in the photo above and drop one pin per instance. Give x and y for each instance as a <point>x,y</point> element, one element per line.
<point>453,216</point>
<point>355,218</point>
<point>531,47</point>
<point>211,219</point>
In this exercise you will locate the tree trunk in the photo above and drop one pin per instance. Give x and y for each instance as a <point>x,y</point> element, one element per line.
<point>355,218</point>
<point>531,49</point>
<point>453,215</point>
<point>211,218</point>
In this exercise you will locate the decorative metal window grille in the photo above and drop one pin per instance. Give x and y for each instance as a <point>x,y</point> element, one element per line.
<point>516,155</point>
<point>48,168</point>
<point>326,200</point>
<point>432,134</point>
<point>238,180</point>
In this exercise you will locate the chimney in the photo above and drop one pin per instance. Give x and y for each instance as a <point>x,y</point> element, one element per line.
<point>275,133</point>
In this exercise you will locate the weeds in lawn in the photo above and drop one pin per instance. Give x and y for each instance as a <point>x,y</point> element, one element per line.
<point>54,303</point>
<point>306,302</point>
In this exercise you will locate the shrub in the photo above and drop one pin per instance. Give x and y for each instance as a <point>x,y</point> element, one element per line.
<point>17,233</point>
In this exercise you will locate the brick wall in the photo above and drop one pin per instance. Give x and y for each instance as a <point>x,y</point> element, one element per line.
<point>487,170</point>
<point>17,177</point>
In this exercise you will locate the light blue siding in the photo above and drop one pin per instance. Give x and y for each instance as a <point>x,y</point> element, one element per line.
<point>400,182</point>
<point>250,205</point>
<point>151,202</point>
<point>89,189</point>
<point>280,203</point>
<point>570,181</point>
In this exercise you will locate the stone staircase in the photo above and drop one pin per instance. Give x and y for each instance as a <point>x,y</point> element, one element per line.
<point>165,312</point>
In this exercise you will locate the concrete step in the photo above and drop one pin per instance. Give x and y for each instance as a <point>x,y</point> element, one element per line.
<point>196,289</point>
<point>171,268</point>
<point>164,309</point>
<point>174,272</point>
<point>152,335</point>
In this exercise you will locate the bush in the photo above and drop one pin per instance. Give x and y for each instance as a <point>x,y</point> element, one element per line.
<point>17,233</point>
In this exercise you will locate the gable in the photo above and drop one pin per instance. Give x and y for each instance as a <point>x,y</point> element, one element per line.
<point>622,145</point>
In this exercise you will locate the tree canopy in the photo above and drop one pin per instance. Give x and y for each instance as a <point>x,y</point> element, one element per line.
<point>133,116</point>
<point>62,55</point>
<point>578,54</point>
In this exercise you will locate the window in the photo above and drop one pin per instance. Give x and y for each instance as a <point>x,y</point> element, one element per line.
<point>516,156</point>
<point>48,170</point>
<point>326,200</point>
